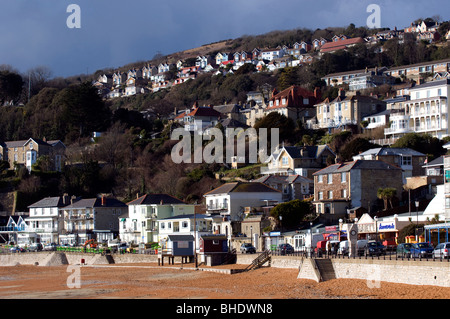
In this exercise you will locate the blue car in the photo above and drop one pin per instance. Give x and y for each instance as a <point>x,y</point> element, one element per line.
<point>421,250</point>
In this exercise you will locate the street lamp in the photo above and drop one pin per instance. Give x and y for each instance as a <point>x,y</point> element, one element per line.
<point>281,223</point>
<point>417,220</point>
<point>251,235</point>
<point>375,218</point>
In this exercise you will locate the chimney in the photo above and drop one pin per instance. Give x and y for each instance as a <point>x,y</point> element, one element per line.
<point>341,93</point>
<point>66,199</point>
<point>103,200</point>
<point>317,94</point>
<point>161,202</point>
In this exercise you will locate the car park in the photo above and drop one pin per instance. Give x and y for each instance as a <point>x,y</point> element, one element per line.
<point>404,250</point>
<point>285,249</point>
<point>421,250</point>
<point>374,248</point>
<point>247,248</point>
<point>442,251</point>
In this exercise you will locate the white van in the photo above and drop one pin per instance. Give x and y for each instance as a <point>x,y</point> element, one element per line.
<point>343,247</point>
<point>361,246</point>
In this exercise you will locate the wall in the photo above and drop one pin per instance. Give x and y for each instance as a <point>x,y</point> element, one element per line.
<point>434,273</point>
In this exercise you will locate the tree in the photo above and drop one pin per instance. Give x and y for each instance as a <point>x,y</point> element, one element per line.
<point>285,125</point>
<point>292,212</point>
<point>423,143</point>
<point>11,85</point>
<point>82,111</point>
<point>387,194</point>
<point>354,147</point>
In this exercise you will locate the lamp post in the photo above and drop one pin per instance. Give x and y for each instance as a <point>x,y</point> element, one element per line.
<point>251,234</point>
<point>281,223</point>
<point>375,218</point>
<point>310,239</point>
<point>417,220</point>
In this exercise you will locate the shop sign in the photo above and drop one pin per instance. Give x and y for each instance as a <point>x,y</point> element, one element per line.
<point>366,228</point>
<point>274,233</point>
<point>386,226</point>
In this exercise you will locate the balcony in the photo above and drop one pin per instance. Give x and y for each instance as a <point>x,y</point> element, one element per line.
<point>43,230</point>
<point>218,207</point>
<point>12,228</point>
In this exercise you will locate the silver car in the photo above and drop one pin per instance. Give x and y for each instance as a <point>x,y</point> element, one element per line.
<point>442,250</point>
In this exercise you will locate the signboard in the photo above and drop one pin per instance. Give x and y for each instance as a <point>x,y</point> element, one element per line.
<point>274,233</point>
<point>366,228</point>
<point>386,226</point>
<point>330,228</point>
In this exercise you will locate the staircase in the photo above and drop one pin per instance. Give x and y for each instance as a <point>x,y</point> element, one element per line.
<point>260,260</point>
<point>326,269</point>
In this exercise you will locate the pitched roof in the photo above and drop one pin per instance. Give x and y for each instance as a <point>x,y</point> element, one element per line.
<point>358,164</point>
<point>294,96</point>
<point>340,44</point>
<point>242,187</point>
<point>283,179</point>
<point>156,199</point>
<point>387,151</point>
<point>48,202</point>
<point>305,151</point>
<point>96,202</point>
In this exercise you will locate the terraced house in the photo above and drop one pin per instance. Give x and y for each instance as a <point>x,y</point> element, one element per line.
<point>344,186</point>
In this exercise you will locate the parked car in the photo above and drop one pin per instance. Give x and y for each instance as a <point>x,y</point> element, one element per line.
<point>247,248</point>
<point>50,247</point>
<point>404,250</point>
<point>17,249</point>
<point>442,251</point>
<point>421,250</point>
<point>375,248</point>
<point>285,249</point>
<point>35,247</point>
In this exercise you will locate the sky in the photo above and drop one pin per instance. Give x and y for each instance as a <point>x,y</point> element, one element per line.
<point>114,33</point>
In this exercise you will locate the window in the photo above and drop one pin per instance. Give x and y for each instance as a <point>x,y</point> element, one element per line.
<point>406,160</point>
<point>285,160</point>
<point>320,195</point>
<point>184,224</point>
<point>439,92</point>
<point>320,179</point>
<point>330,194</point>
<point>343,177</point>
<point>330,178</point>
<point>344,193</point>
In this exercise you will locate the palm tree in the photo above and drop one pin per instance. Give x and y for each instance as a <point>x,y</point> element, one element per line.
<point>387,194</point>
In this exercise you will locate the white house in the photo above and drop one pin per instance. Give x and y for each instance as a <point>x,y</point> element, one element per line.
<point>45,220</point>
<point>140,225</point>
<point>231,200</point>
<point>185,225</point>
<point>271,54</point>
<point>425,112</point>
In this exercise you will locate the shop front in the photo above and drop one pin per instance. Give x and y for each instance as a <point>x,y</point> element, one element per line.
<point>385,230</point>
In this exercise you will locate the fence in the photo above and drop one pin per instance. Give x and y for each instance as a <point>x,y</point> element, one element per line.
<point>388,255</point>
